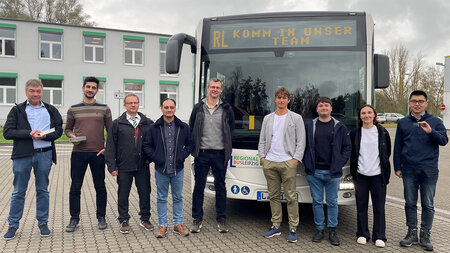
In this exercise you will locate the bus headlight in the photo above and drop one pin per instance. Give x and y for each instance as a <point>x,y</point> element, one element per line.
<point>347,183</point>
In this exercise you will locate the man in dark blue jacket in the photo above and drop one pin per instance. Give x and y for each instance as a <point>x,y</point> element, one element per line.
<point>328,147</point>
<point>123,155</point>
<point>168,143</point>
<point>416,153</point>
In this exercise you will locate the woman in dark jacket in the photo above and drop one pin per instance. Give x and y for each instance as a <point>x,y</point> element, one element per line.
<point>370,169</point>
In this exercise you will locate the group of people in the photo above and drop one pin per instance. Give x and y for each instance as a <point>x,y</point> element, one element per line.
<point>133,141</point>
<point>324,146</point>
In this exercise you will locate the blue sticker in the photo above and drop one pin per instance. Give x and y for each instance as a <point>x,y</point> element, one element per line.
<point>245,190</point>
<point>235,189</point>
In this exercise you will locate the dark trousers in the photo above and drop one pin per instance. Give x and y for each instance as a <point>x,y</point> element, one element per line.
<point>377,189</point>
<point>215,160</point>
<point>79,162</point>
<point>142,182</point>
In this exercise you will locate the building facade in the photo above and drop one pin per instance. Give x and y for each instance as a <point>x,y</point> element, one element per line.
<point>61,56</point>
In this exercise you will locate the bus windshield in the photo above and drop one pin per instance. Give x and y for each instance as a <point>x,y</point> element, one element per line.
<point>251,78</point>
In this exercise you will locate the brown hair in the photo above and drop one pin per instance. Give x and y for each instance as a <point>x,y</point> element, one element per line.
<point>324,100</point>
<point>375,121</point>
<point>283,92</point>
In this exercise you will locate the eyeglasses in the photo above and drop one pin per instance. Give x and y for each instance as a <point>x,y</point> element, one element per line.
<point>420,102</point>
<point>215,87</point>
<point>169,107</point>
<point>132,103</point>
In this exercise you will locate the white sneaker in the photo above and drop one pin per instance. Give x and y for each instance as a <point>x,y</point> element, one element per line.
<point>362,240</point>
<point>380,243</point>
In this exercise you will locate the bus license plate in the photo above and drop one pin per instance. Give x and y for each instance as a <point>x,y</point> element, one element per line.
<point>264,196</point>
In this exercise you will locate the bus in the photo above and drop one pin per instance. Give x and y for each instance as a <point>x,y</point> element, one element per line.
<point>311,54</point>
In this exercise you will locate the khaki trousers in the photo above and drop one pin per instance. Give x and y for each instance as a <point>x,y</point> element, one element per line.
<point>277,173</point>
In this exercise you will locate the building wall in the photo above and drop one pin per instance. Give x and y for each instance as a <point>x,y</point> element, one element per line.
<point>27,64</point>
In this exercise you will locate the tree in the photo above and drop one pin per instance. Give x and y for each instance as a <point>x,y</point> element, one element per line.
<point>405,76</point>
<point>432,82</point>
<point>53,11</point>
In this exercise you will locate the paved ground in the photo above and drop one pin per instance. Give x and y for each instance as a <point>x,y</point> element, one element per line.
<point>247,221</point>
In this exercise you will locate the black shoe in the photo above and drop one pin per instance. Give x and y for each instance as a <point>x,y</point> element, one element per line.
<point>102,223</point>
<point>410,238</point>
<point>72,225</point>
<point>332,236</point>
<point>318,236</point>
<point>425,242</point>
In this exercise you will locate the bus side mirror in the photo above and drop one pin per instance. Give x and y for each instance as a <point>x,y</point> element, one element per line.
<point>174,48</point>
<point>381,71</point>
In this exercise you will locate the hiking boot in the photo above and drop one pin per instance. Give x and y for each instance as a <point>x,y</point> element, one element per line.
<point>273,231</point>
<point>332,236</point>
<point>196,226</point>
<point>10,234</point>
<point>425,242</point>
<point>161,232</point>
<point>125,227</point>
<point>292,237</point>
<point>44,230</point>
<point>73,224</point>
<point>410,238</point>
<point>318,236</point>
<point>147,225</point>
<point>102,223</point>
<point>181,230</point>
<point>222,226</point>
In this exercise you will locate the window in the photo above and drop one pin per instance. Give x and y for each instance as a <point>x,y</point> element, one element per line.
<point>94,47</point>
<point>162,55</point>
<point>7,40</point>
<point>53,87</point>
<point>134,50</point>
<point>135,86</point>
<point>50,44</point>
<point>8,88</point>
<point>168,89</point>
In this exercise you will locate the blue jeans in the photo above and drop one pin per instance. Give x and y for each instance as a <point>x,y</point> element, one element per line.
<point>214,159</point>
<point>162,191</point>
<point>423,180</point>
<point>317,183</point>
<point>41,163</point>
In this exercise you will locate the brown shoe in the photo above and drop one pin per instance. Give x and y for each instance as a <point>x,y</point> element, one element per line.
<point>124,227</point>
<point>181,230</point>
<point>147,225</point>
<point>162,232</point>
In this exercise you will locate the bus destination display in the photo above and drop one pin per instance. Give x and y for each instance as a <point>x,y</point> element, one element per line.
<point>322,33</point>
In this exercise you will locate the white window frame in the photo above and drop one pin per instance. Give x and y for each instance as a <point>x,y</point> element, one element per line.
<point>133,51</point>
<point>4,42</point>
<point>94,47</point>
<point>103,90</point>
<point>51,43</point>
<point>141,82</point>
<point>168,93</point>
<point>5,87</point>
<point>162,64</point>
<point>52,89</point>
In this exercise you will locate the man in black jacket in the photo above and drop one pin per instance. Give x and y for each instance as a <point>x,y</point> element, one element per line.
<point>211,122</point>
<point>168,143</point>
<point>34,147</point>
<point>123,155</point>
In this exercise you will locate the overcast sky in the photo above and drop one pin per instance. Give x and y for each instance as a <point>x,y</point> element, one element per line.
<point>422,26</point>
